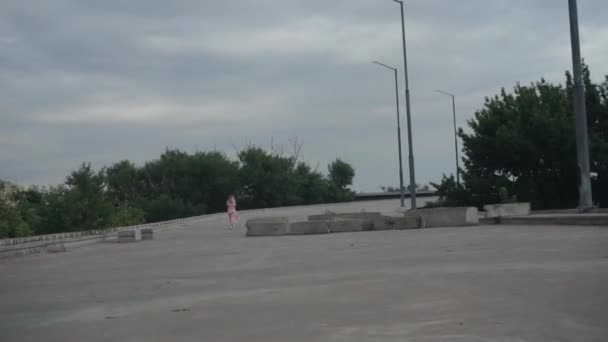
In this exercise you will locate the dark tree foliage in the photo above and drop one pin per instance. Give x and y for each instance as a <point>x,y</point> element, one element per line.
<point>176,185</point>
<point>521,145</point>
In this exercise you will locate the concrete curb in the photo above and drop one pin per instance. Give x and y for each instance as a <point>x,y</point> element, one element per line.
<point>506,209</point>
<point>446,217</point>
<point>563,219</point>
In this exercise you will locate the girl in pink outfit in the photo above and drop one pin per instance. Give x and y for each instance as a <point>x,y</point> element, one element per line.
<point>233,216</point>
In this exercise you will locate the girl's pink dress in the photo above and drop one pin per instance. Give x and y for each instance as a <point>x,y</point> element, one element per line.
<point>233,216</point>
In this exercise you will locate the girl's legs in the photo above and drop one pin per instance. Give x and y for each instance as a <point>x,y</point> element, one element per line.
<point>232,218</point>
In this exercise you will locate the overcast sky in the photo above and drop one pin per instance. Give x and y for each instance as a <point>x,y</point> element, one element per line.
<point>102,81</point>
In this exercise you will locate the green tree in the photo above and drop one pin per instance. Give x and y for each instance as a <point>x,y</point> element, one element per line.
<point>213,178</point>
<point>122,181</point>
<point>90,207</point>
<point>521,146</point>
<point>163,208</point>
<point>181,184</point>
<point>267,179</point>
<point>341,174</point>
<point>313,187</point>
<point>178,184</point>
<point>125,215</point>
<point>525,143</point>
<point>54,209</point>
<point>12,223</point>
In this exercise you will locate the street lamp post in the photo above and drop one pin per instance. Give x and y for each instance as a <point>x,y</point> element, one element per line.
<point>408,113</point>
<point>580,113</point>
<point>455,133</point>
<point>398,131</point>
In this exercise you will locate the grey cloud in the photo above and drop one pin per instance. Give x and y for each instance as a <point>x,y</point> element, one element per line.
<point>108,80</point>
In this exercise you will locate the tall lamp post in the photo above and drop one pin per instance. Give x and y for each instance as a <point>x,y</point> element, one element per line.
<point>408,113</point>
<point>580,114</point>
<point>455,133</point>
<point>398,130</point>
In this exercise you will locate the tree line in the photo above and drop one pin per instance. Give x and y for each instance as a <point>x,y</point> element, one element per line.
<point>522,147</point>
<point>176,185</point>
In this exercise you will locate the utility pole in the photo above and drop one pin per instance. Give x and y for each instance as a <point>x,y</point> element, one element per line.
<point>398,131</point>
<point>580,114</point>
<point>408,113</point>
<point>455,133</point>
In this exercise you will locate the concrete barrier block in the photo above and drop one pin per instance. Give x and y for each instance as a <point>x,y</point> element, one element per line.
<point>350,225</point>
<point>322,217</point>
<point>383,223</point>
<point>56,248</point>
<point>147,234</point>
<point>397,222</point>
<point>354,216</point>
<point>446,217</point>
<point>471,216</point>
<point>309,227</point>
<point>361,215</point>
<point>406,222</point>
<point>129,235</point>
<point>506,210</point>
<point>271,226</point>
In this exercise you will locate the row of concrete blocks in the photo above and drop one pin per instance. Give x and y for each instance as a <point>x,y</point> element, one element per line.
<point>134,235</point>
<point>357,222</point>
<point>281,226</point>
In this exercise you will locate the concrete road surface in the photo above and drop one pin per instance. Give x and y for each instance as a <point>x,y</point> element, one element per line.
<point>202,282</point>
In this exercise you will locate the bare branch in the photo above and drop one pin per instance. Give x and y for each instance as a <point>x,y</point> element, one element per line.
<point>236,149</point>
<point>297,147</point>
